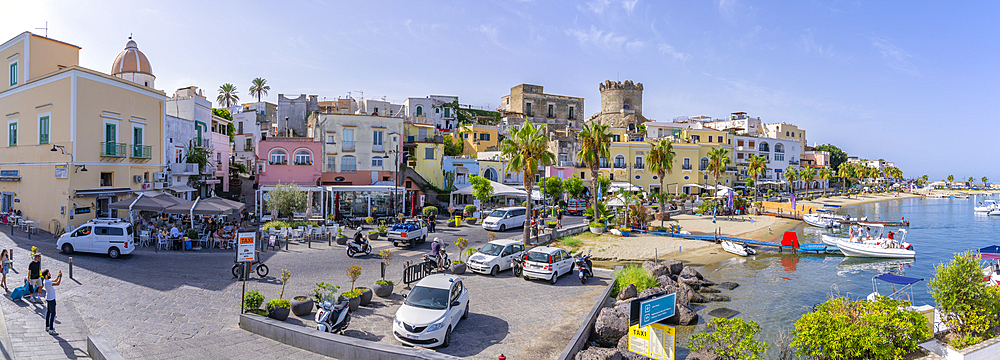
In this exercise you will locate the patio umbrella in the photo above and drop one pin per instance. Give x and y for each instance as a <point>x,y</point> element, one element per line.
<point>142,203</point>
<point>232,206</point>
<point>200,207</point>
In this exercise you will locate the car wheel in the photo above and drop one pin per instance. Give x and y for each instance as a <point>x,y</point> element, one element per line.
<point>67,248</point>
<point>494,270</point>
<point>114,253</point>
<point>503,228</point>
<point>466,314</point>
<point>555,277</point>
<point>447,338</point>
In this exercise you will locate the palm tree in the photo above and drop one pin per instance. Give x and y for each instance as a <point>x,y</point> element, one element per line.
<point>985,179</point>
<point>950,179</point>
<point>661,160</point>
<point>595,144</point>
<point>527,149</point>
<point>791,175</point>
<point>971,179</point>
<point>227,95</point>
<point>924,179</point>
<point>807,175</point>
<point>259,88</point>
<point>826,174</point>
<point>757,167</point>
<point>718,160</point>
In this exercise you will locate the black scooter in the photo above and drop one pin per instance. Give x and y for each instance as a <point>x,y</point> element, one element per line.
<point>585,267</point>
<point>517,268</point>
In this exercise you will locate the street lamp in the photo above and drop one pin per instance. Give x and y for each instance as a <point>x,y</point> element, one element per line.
<point>396,175</point>
<point>71,156</point>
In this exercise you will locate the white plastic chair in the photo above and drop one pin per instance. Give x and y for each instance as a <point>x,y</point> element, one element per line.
<point>144,238</point>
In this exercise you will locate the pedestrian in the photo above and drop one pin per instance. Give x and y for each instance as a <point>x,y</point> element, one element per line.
<point>559,216</point>
<point>35,277</point>
<point>4,268</point>
<point>50,299</point>
<point>431,223</point>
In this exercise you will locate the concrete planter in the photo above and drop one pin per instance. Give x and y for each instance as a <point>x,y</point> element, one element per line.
<point>366,296</point>
<point>373,236</point>
<point>354,302</point>
<point>458,269</point>
<point>382,291</point>
<point>597,230</point>
<point>277,313</point>
<point>982,351</point>
<point>470,221</point>
<point>341,240</point>
<point>302,306</point>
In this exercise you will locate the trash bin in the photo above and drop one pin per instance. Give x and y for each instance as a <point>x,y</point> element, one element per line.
<point>187,244</point>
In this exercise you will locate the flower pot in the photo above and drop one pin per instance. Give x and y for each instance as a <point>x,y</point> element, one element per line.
<point>302,306</point>
<point>382,291</point>
<point>341,240</point>
<point>470,221</point>
<point>383,234</point>
<point>458,269</point>
<point>277,313</point>
<point>354,303</point>
<point>372,236</point>
<point>550,226</point>
<point>366,296</point>
<point>597,230</point>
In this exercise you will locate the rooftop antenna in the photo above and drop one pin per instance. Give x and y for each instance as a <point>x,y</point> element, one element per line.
<point>46,28</point>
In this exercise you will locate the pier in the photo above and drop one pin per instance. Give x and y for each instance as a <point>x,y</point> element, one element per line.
<point>791,245</point>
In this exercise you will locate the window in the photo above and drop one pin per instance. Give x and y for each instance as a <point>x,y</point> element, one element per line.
<point>329,138</point>
<point>377,161</point>
<point>331,163</point>
<point>303,157</point>
<point>786,133</point>
<point>739,142</point>
<point>605,163</point>
<point>348,140</point>
<point>249,145</point>
<point>378,139</point>
<point>179,156</point>
<point>447,112</point>
<point>750,144</point>
<point>137,140</point>
<point>616,138</point>
<point>429,153</point>
<point>779,148</point>
<point>107,179</point>
<point>278,157</point>
<point>241,128</point>
<point>638,162</point>
<point>490,174</point>
<point>704,164</point>
<point>551,110</point>
<point>583,175</point>
<point>484,136</point>
<point>779,157</point>
<point>611,176</point>
<point>13,73</point>
<point>695,138</point>
<point>12,133</point>
<point>686,164</point>
<point>620,161</point>
<point>705,177</point>
<point>527,109</point>
<point>764,147</point>
<point>347,164</point>
<point>43,129</point>
<point>563,158</point>
<point>626,105</point>
<point>420,110</point>
<point>739,155</point>
<point>571,113</point>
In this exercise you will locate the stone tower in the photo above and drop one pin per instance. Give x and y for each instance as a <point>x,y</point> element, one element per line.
<point>621,105</point>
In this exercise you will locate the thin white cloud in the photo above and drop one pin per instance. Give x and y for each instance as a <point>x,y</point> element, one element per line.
<point>728,8</point>
<point>492,34</point>
<point>629,5</point>
<point>668,50</point>
<point>596,6</point>
<point>895,57</point>
<point>809,44</point>
<point>635,46</point>
<point>604,41</point>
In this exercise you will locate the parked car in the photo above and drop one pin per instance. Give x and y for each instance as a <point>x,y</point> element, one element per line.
<point>576,207</point>
<point>103,236</point>
<point>505,218</point>
<point>409,233</point>
<point>431,311</point>
<point>495,256</point>
<point>547,263</point>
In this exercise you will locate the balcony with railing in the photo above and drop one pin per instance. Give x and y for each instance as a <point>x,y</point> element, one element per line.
<point>637,166</point>
<point>619,165</point>
<point>566,163</point>
<point>348,145</point>
<point>378,147</point>
<point>348,168</point>
<point>114,149</point>
<point>685,167</point>
<point>142,152</point>
<point>793,162</point>
<point>178,169</point>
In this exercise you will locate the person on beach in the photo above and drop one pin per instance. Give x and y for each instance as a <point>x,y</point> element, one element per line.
<point>4,268</point>
<point>35,277</point>
<point>50,299</point>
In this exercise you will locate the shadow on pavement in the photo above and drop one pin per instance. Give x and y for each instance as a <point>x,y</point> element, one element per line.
<point>475,334</point>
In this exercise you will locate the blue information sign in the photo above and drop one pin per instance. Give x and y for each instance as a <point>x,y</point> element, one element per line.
<point>652,309</point>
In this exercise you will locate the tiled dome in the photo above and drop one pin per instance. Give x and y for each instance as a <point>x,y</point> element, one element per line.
<point>131,60</point>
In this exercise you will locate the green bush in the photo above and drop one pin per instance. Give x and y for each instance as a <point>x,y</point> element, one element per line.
<point>840,329</point>
<point>252,300</point>
<point>384,282</point>
<point>429,210</point>
<point>972,309</point>
<point>636,275</point>
<point>279,303</point>
<point>470,209</point>
<point>351,294</point>
<point>278,224</point>
<point>597,224</point>
<point>730,339</point>
<point>192,234</point>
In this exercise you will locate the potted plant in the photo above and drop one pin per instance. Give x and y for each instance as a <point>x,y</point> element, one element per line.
<point>382,230</point>
<point>278,308</point>
<point>458,266</point>
<point>302,305</point>
<point>252,301</point>
<point>353,297</point>
<point>470,211</point>
<point>383,287</point>
<point>550,224</point>
<point>341,238</point>
<point>372,234</point>
<point>588,213</point>
<point>366,295</point>
<point>625,231</point>
<point>597,227</point>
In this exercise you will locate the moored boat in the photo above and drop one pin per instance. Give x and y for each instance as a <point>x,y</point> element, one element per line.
<point>869,240</point>
<point>986,206</point>
<point>738,249</point>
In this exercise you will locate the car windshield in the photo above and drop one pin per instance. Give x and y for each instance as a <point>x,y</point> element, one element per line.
<point>538,256</point>
<point>498,213</point>
<point>491,249</point>
<point>428,298</point>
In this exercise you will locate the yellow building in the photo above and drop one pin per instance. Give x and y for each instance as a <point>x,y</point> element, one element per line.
<point>426,152</point>
<point>478,138</point>
<point>75,139</point>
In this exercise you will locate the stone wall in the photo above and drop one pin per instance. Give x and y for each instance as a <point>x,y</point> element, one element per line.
<point>613,112</point>
<point>295,110</point>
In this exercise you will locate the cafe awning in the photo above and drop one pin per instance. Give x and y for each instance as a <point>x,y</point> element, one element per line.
<point>180,188</point>
<point>372,188</point>
<point>200,208</point>
<point>142,203</point>
<point>233,206</point>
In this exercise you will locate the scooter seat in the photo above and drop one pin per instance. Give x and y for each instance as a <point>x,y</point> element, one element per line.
<point>341,306</point>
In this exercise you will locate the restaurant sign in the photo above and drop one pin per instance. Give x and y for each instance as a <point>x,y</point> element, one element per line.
<point>10,173</point>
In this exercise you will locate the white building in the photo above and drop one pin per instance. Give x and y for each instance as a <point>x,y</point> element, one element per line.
<point>190,105</point>
<point>740,122</point>
<point>379,108</point>
<point>428,110</point>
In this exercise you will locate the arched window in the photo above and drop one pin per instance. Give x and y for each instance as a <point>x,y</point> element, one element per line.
<point>627,105</point>
<point>348,164</point>
<point>704,164</point>
<point>764,147</point>
<point>278,157</point>
<point>420,110</point>
<point>786,133</point>
<point>620,161</point>
<point>490,174</point>
<point>303,157</point>
<point>779,148</point>
<point>377,161</point>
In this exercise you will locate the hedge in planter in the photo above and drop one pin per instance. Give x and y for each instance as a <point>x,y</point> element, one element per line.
<point>252,301</point>
<point>840,329</point>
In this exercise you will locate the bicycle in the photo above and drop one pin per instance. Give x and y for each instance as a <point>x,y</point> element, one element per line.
<point>261,269</point>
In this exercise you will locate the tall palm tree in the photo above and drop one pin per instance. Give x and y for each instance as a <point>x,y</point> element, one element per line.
<point>757,167</point>
<point>826,174</point>
<point>807,175</point>
<point>595,144</point>
<point>527,149</point>
<point>259,88</point>
<point>227,95</point>
<point>791,175</point>
<point>718,160</point>
<point>661,161</point>
<point>924,178</point>
<point>950,179</point>
<point>985,179</point>
<point>971,179</point>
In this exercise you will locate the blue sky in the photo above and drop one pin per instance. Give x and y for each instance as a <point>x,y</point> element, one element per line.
<point>906,81</point>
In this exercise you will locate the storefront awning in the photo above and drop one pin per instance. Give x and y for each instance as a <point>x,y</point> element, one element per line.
<point>375,188</point>
<point>102,192</point>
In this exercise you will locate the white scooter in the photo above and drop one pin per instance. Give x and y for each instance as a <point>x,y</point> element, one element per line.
<point>353,247</point>
<point>333,318</point>
<point>431,261</point>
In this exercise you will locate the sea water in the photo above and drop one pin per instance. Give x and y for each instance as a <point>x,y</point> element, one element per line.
<point>776,289</point>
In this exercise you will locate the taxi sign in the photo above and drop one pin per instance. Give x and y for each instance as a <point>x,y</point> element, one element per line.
<point>651,309</point>
<point>245,251</point>
<point>655,341</point>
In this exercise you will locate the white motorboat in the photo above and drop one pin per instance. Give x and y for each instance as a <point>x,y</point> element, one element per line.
<point>823,219</point>
<point>986,206</point>
<point>830,240</point>
<point>994,212</point>
<point>892,246</point>
<point>738,249</point>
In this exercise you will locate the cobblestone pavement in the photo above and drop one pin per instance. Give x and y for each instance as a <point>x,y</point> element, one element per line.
<point>171,304</point>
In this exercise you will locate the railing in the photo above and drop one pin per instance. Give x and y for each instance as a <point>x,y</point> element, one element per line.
<point>348,145</point>
<point>280,162</point>
<point>378,147</point>
<point>793,162</point>
<point>247,148</point>
<point>619,165</point>
<point>686,167</point>
<point>142,152</point>
<point>113,149</point>
<point>637,166</point>
<point>303,162</point>
<point>731,169</point>
<point>566,163</point>
<point>184,168</point>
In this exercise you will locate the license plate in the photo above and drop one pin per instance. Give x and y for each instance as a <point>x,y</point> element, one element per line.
<point>408,336</point>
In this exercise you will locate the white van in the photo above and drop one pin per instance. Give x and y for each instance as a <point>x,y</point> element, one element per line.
<point>102,236</point>
<point>505,218</point>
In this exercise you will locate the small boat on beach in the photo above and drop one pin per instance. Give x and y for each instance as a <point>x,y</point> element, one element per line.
<point>738,249</point>
<point>986,206</point>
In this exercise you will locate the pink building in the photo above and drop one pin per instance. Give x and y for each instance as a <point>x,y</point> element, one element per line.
<point>562,172</point>
<point>816,159</point>
<point>288,161</point>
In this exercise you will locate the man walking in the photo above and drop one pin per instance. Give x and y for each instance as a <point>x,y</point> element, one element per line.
<point>34,277</point>
<point>50,299</point>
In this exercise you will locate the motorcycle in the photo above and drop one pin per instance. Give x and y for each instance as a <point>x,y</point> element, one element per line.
<point>585,266</point>
<point>431,262</point>
<point>354,247</point>
<point>518,266</point>
<point>333,317</point>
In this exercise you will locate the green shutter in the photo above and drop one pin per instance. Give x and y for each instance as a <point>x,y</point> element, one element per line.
<point>12,134</point>
<point>13,74</point>
<point>43,130</point>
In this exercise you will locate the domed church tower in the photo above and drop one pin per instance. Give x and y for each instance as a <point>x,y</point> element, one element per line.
<point>133,66</point>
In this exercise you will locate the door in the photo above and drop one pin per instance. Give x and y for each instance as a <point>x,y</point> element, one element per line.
<point>506,257</point>
<point>110,138</point>
<point>116,237</point>
<point>101,239</point>
<point>456,312</point>
<point>102,208</point>
<point>565,263</point>
<point>137,142</point>
<point>82,238</point>
<point>6,202</point>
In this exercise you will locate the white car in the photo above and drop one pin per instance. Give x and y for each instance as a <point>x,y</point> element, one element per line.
<point>496,256</point>
<point>431,311</point>
<point>103,236</point>
<point>505,218</point>
<point>547,263</point>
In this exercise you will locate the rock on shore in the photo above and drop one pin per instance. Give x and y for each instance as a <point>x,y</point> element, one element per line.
<point>611,325</point>
<point>598,353</point>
